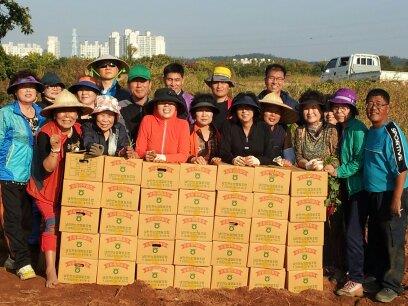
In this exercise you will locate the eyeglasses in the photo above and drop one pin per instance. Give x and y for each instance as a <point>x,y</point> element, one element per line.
<point>105,65</point>
<point>375,105</point>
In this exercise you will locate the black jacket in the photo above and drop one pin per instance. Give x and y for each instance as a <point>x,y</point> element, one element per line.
<point>234,142</point>
<point>222,116</point>
<point>131,114</point>
<point>91,133</point>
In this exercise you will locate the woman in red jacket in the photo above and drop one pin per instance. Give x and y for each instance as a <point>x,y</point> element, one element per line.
<point>60,135</point>
<point>162,136</point>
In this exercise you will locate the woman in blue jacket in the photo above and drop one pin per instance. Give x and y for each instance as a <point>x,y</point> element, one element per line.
<point>19,122</point>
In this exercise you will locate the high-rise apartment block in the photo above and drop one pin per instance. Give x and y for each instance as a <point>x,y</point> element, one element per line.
<point>53,46</point>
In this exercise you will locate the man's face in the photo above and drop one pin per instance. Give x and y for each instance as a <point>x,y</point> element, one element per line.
<point>174,81</point>
<point>274,81</point>
<point>377,110</point>
<point>107,70</point>
<point>139,88</point>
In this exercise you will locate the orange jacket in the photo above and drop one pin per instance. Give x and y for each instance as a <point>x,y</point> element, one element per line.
<point>165,136</point>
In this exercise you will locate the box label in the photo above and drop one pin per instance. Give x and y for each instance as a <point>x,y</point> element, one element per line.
<point>196,203</point>
<point>234,204</point>
<point>229,254</point>
<point>266,255</point>
<point>302,280</point>
<point>120,196</point>
<point>79,220</point>
<point>81,167</point>
<point>304,258</point>
<point>234,178</point>
<point>268,231</point>
<point>157,276</point>
<point>260,277</point>
<point>229,277</point>
<point>119,222</point>
<point>122,171</point>
<point>272,180</point>
<point>77,245</point>
<point>231,229</point>
<point>160,175</point>
<point>159,252</point>
<point>111,272</point>
<point>305,233</point>
<point>157,227</point>
<point>118,247</point>
<point>194,228</point>
<point>198,177</point>
<point>159,202</point>
<point>192,253</point>
<point>307,209</point>
<point>270,206</point>
<point>77,270</point>
<point>81,194</point>
<point>189,277</point>
<point>309,183</point>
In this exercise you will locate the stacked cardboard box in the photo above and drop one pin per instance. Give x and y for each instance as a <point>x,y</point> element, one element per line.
<point>307,214</point>
<point>82,190</point>
<point>157,224</point>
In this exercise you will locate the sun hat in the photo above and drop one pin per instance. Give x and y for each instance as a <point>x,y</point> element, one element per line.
<point>220,74</point>
<point>65,99</point>
<point>139,71</point>
<point>288,114</point>
<point>204,100</point>
<point>165,94</point>
<point>52,79</point>
<point>26,80</point>
<point>88,82</point>
<point>106,103</point>
<point>93,66</point>
<point>248,99</point>
<point>345,96</point>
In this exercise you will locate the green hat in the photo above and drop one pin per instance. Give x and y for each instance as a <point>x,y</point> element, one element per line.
<point>139,71</point>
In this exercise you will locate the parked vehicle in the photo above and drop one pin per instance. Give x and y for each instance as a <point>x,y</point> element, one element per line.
<point>359,67</point>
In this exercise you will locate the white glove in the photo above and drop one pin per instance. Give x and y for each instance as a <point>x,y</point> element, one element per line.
<point>253,161</point>
<point>159,158</point>
<point>310,164</point>
<point>279,161</point>
<point>238,161</point>
<point>314,164</point>
<point>319,165</point>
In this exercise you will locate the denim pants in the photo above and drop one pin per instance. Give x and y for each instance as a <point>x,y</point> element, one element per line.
<point>386,239</point>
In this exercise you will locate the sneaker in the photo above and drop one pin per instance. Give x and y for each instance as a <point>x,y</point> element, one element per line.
<point>386,295</point>
<point>9,263</point>
<point>351,289</point>
<point>26,272</point>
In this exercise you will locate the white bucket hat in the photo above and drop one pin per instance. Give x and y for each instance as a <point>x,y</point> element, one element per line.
<point>106,103</point>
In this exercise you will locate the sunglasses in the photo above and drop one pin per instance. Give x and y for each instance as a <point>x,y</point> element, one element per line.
<point>105,65</point>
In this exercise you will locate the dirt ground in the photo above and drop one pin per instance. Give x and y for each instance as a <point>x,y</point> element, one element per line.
<point>32,292</point>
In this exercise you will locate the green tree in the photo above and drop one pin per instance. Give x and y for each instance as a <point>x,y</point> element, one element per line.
<point>386,63</point>
<point>12,15</point>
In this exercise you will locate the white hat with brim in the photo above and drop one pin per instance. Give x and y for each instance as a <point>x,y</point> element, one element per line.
<point>65,99</point>
<point>106,103</point>
<point>108,58</point>
<point>288,114</point>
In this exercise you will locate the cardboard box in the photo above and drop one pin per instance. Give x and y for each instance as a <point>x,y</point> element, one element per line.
<point>114,272</point>
<point>118,247</point>
<point>120,196</point>
<point>308,183</point>
<point>198,177</point>
<point>81,194</point>
<point>298,281</point>
<point>196,228</point>
<point>234,178</point>
<point>303,209</point>
<point>159,202</point>
<point>305,233</point>
<point>82,167</point>
<point>79,220</point>
<point>160,175</point>
<point>192,253</point>
<point>268,231</point>
<point>304,258</point>
<point>266,255</point>
<point>77,270</point>
<point>229,254</point>
<point>120,170</point>
<point>157,227</point>
<point>271,206</point>
<point>229,277</point>
<point>272,180</point>
<point>231,229</point>
<point>196,203</point>
<point>234,204</point>
<point>261,277</point>
<point>119,222</point>
<point>78,245</point>
<point>155,252</point>
<point>190,277</point>
<point>157,276</point>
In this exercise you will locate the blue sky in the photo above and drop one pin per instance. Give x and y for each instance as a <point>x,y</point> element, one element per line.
<point>309,30</point>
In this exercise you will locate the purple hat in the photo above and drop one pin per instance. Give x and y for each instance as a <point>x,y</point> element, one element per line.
<point>27,80</point>
<point>344,96</point>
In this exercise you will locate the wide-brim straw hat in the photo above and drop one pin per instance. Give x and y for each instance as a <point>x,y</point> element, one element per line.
<point>65,99</point>
<point>220,74</point>
<point>288,114</point>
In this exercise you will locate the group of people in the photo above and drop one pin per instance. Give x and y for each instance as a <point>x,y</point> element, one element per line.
<point>100,117</point>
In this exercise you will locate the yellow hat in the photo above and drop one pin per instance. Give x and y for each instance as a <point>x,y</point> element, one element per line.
<point>220,74</point>
<point>288,114</point>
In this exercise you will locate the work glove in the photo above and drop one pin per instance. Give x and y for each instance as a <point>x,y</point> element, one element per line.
<point>314,165</point>
<point>96,150</point>
<point>160,158</point>
<point>252,161</point>
<point>238,161</point>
